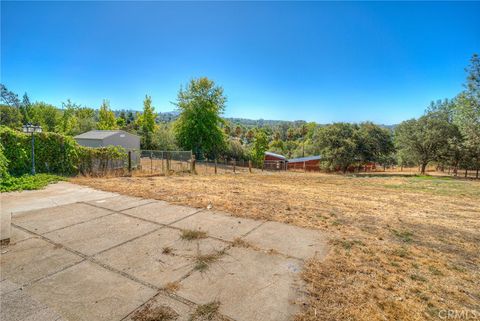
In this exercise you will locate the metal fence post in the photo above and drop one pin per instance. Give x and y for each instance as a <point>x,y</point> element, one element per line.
<point>129,161</point>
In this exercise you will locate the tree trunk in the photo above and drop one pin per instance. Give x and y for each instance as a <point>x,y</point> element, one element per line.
<point>422,170</point>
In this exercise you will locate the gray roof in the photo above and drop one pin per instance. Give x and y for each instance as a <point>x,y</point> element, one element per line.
<point>100,134</point>
<point>304,159</point>
<point>275,155</point>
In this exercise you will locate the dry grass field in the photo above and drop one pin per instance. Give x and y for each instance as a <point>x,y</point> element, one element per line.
<point>403,248</point>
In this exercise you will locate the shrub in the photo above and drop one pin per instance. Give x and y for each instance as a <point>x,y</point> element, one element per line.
<point>27,182</point>
<point>3,164</point>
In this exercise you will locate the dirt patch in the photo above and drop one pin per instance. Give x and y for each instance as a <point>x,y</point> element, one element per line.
<point>404,248</point>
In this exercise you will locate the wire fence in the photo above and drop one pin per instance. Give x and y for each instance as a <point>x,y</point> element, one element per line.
<point>223,166</point>
<point>157,162</point>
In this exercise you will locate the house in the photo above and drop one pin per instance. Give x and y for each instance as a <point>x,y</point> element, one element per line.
<point>274,161</point>
<point>310,163</point>
<point>103,138</point>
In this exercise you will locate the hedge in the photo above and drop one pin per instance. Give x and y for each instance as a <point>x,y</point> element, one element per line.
<point>54,153</point>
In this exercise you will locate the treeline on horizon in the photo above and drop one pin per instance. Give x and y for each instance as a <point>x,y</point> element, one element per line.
<point>448,134</point>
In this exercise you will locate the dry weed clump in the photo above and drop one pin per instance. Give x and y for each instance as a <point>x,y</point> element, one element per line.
<point>402,248</point>
<point>172,286</point>
<point>203,261</point>
<point>159,313</point>
<point>190,235</point>
<point>207,312</point>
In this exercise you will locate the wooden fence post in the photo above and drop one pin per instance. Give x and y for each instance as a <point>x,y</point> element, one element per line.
<point>234,161</point>
<point>151,162</point>
<point>193,164</point>
<point>168,163</point>
<point>250,166</point>
<point>129,161</point>
<point>215,166</point>
<point>163,164</point>
<point>304,167</point>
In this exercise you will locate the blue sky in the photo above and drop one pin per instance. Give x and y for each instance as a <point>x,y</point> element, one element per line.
<point>317,61</point>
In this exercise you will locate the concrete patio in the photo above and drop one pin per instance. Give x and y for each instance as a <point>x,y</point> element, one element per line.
<point>80,254</point>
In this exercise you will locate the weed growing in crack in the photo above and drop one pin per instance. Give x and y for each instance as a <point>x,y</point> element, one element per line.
<point>190,235</point>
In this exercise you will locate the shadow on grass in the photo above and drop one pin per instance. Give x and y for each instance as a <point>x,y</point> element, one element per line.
<point>408,175</point>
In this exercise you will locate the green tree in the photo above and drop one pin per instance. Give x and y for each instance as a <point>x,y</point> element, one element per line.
<point>69,122</point>
<point>277,146</point>
<point>164,138</point>
<point>8,97</point>
<point>147,127</point>
<point>467,113</point>
<point>122,120</point>
<point>45,115</point>
<point>106,117</point>
<point>10,116</point>
<point>198,125</point>
<point>249,135</point>
<point>238,131</point>
<point>85,120</point>
<point>235,149</point>
<point>25,107</point>
<point>260,146</point>
<point>337,143</point>
<point>374,143</point>
<point>425,139</point>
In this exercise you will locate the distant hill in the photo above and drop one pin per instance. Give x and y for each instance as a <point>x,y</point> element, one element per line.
<point>169,116</point>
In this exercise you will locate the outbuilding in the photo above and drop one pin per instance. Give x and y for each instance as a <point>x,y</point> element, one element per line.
<point>103,138</point>
<point>274,161</point>
<point>310,163</point>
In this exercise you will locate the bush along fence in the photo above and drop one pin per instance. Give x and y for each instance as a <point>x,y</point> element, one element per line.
<point>56,154</point>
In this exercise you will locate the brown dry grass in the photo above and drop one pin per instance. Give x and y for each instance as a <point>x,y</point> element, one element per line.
<point>403,248</point>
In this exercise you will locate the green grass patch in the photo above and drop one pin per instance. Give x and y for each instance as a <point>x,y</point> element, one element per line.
<point>430,177</point>
<point>28,182</point>
<point>443,186</point>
